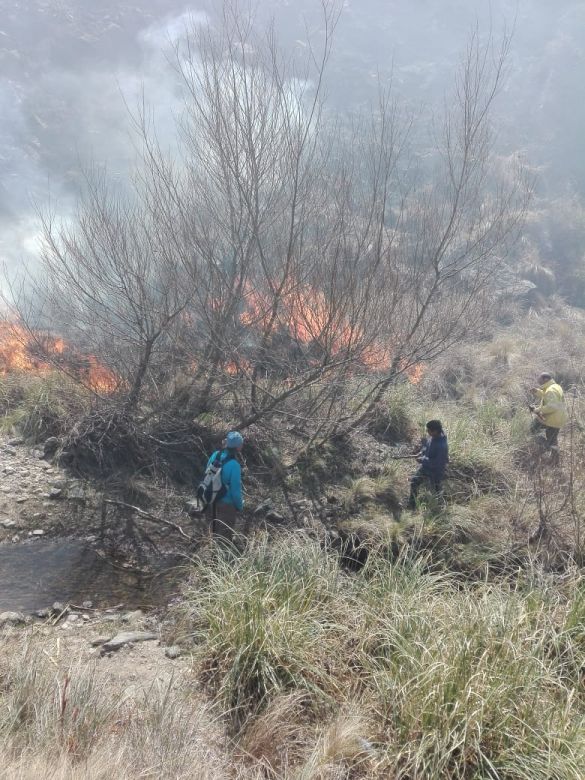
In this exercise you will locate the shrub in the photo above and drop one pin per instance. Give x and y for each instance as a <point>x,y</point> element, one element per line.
<point>38,407</point>
<point>390,420</point>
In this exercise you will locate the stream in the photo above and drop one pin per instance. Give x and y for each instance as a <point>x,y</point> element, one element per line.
<point>34,575</point>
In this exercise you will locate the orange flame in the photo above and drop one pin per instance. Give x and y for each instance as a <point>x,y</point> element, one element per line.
<point>308,317</point>
<point>17,354</point>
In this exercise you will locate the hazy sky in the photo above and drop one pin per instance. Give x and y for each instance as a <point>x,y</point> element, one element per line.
<point>67,66</point>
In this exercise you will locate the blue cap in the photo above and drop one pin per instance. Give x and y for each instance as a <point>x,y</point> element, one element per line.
<point>234,439</point>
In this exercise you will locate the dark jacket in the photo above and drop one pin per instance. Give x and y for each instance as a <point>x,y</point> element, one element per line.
<point>434,456</point>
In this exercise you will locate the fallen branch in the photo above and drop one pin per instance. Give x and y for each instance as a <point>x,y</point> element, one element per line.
<point>149,516</point>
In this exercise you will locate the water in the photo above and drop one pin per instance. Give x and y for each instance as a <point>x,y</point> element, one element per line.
<point>34,575</point>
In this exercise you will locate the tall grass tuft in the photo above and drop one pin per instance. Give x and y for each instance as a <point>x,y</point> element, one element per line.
<point>414,673</point>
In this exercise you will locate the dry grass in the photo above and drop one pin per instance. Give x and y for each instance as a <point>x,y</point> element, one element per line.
<point>400,673</point>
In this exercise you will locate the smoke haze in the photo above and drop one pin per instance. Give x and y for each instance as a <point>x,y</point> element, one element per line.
<point>70,69</point>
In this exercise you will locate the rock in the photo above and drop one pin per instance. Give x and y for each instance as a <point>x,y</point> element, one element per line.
<point>38,532</point>
<point>21,499</point>
<point>76,493</point>
<point>129,617</point>
<point>59,483</point>
<point>50,446</point>
<point>87,604</point>
<point>43,613</point>
<point>73,617</point>
<point>38,454</point>
<point>17,441</point>
<point>128,638</point>
<point>265,506</point>
<point>274,517</point>
<point>192,507</point>
<point>11,618</point>
<point>8,450</point>
<point>100,640</point>
<point>8,523</point>
<point>58,607</point>
<point>173,652</point>
<point>8,470</point>
<point>55,492</point>
<point>301,503</point>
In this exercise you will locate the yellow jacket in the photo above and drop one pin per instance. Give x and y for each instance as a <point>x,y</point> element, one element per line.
<point>552,405</point>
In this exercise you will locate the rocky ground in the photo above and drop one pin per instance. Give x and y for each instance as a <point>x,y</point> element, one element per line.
<point>129,645</point>
<point>35,495</point>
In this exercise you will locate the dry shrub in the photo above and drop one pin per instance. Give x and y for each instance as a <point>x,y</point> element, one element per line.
<point>37,407</point>
<point>341,750</point>
<point>277,737</point>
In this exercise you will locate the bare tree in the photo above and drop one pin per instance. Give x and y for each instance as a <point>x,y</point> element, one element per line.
<point>286,261</point>
<point>111,284</point>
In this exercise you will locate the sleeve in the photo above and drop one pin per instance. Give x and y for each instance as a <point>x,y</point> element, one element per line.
<point>546,405</point>
<point>430,453</point>
<point>235,483</point>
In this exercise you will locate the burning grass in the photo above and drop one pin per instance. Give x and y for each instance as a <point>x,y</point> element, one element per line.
<point>24,352</point>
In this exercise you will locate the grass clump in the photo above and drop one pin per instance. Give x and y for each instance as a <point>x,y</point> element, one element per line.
<point>263,622</point>
<point>445,680</point>
<point>37,407</point>
<point>391,420</point>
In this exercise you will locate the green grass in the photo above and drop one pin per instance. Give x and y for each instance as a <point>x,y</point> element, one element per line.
<point>37,407</point>
<point>452,681</point>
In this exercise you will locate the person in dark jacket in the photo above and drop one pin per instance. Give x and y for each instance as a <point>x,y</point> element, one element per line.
<point>225,509</point>
<point>433,458</point>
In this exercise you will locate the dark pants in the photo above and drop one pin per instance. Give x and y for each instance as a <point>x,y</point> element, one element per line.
<point>223,521</point>
<point>551,434</point>
<point>417,479</point>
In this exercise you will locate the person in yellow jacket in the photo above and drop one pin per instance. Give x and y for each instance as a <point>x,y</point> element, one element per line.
<point>551,413</point>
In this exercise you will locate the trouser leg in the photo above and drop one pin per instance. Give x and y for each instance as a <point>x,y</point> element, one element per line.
<point>224,522</point>
<point>415,482</point>
<point>552,436</point>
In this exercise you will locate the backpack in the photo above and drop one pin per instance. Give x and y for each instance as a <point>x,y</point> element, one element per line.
<point>211,487</point>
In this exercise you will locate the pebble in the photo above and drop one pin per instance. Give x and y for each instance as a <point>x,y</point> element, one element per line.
<point>55,492</point>
<point>274,517</point>
<point>21,499</point>
<point>8,523</point>
<point>11,618</point>
<point>127,638</point>
<point>100,640</point>
<point>9,450</point>
<point>87,604</point>
<point>16,441</point>
<point>38,532</point>
<point>173,652</point>
<point>129,617</point>
<point>263,507</point>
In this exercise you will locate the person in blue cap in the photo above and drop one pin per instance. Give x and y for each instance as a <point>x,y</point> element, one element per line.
<point>225,509</point>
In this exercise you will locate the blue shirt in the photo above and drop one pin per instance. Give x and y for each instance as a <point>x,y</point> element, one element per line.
<point>231,477</point>
<point>435,456</point>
